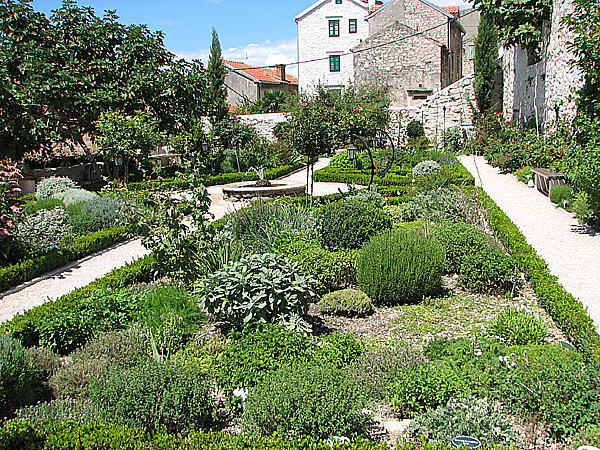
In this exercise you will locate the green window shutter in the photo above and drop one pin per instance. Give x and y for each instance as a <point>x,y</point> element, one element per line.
<point>338,2</point>
<point>334,28</point>
<point>334,63</point>
<point>353,25</point>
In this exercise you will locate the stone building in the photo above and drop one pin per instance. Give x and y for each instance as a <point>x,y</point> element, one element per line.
<point>327,31</point>
<point>414,46</point>
<point>248,82</point>
<point>538,86</point>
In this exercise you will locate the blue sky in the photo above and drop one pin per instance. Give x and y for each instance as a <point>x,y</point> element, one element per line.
<point>261,32</point>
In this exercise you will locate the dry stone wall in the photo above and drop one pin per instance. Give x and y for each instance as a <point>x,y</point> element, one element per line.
<point>263,123</point>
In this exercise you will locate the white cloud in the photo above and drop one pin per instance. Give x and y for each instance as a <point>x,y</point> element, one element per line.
<point>265,54</point>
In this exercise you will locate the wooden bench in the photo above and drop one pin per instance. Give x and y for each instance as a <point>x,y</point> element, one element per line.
<point>546,179</point>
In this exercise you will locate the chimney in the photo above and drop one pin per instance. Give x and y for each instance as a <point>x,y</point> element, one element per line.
<point>374,5</point>
<point>280,71</point>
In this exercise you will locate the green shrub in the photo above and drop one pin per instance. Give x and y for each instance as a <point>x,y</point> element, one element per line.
<point>347,302</point>
<point>259,288</point>
<point>415,129</point>
<point>349,224</point>
<point>154,396</point>
<point>43,231</point>
<point>341,161</point>
<point>44,203</point>
<point>425,168</point>
<point>560,194</point>
<point>331,270</point>
<point>400,267</point>
<point>54,185</point>
<point>72,196</point>
<point>316,401</point>
<point>437,205</point>
<point>464,416</point>
<point>430,386</point>
<point>106,353</point>
<point>79,409</point>
<point>103,210</point>
<point>369,195</point>
<point>488,270</point>
<point>589,435</point>
<point>453,139</point>
<point>524,175</point>
<point>17,375</point>
<point>517,327</point>
<point>461,240</point>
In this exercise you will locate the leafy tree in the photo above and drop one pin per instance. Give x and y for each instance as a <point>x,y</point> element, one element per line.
<point>519,22</point>
<point>486,53</point>
<point>216,78</point>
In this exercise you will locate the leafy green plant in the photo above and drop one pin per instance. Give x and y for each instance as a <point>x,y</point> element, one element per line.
<point>17,375</point>
<point>72,196</point>
<point>425,168</point>
<point>431,385</point>
<point>316,401</point>
<point>348,224</point>
<point>415,129</point>
<point>437,205</point>
<point>54,185</point>
<point>453,139</point>
<point>524,175</point>
<point>589,435</point>
<point>44,231</point>
<point>43,203</point>
<point>259,288</point>
<point>464,416</point>
<point>156,395</point>
<point>560,194</point>
<point>347,302</point>
<point>488,270</point>
<point>517,327</point>
<point>104,211</point>
<point>75,409</point>
<point>369,195</point>
<point>400,267</point>
<point>331,270</point>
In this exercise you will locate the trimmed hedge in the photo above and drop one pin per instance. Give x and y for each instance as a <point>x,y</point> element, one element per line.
<point>224,178</point>
<point>29,269</point>
<point>568,312</point>
<point>25,327</point>
<point>333,175</point>
<point>69,434</point>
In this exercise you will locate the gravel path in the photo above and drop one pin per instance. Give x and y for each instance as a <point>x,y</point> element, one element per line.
<point>570,250</point>
<point>78,274</point>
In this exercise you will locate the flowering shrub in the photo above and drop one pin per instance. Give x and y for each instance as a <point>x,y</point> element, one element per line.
<point>9,189</point>
<point>44,231</point>
<point>54,185</point>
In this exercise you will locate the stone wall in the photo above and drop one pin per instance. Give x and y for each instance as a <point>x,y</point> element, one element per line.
<point>456,98</point>
<point>399,65</point>
<point>263,123</point>
<point>536,92</point>
<point>390,13</point>
<point>421,16</point>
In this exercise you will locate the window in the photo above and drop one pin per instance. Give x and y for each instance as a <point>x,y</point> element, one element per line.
<point>471,52</point>
<point>353,25</point>
<point>338,2</point>
<point>334,28</point>
<point>334,63</point>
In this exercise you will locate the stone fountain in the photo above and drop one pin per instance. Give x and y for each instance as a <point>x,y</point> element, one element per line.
<point>263,188</point>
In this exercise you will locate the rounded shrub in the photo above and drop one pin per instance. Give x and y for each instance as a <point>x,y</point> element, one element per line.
<point>43,231</point>
<point>44,203</point>
<point>155,396</point>
<point>307,400</point>
<point>425,168</point>
<point>259,288</point>
<point>517,327</point>
<point>460,240</point>
<point>54,185</point>
<point>103,211</point>
<point>561,193</point>
<point>464,416</point>
<point>346,302</point>
<point>488,270</point>
<point>17,375</point>
<point>400,267</point>
<point>348,224</point>
<point>72,196</point>
<point>415,129</point>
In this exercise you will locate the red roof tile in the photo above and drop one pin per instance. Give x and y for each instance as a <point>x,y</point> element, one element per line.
<point>267,74</point>
<point>451,9</point>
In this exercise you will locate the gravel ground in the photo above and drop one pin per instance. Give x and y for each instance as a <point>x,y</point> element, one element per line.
<point>55,284</point>
<point>570,250</point>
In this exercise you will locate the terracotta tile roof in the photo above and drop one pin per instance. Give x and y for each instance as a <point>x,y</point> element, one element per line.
<point>266,74</point>
<point>451,9</point>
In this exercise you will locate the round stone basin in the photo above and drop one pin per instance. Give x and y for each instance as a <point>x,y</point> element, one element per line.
<point>248,189</point>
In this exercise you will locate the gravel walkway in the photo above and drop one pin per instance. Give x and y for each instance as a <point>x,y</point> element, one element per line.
<point>570,250</point>
<point>78,274</point>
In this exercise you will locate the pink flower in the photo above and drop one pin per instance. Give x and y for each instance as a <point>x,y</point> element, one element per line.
<point>5,232</point>
<point>356,110</point>
<point>304,105</point>
<point>11,224</point>
<point>4,217</point>
<point>15,209</point>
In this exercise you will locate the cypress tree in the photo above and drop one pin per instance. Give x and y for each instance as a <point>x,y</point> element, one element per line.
<point>216,76</point>
<point>486,53</point>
